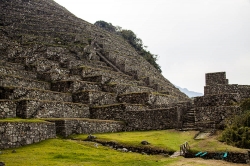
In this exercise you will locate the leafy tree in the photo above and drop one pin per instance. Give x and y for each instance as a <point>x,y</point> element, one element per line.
<point>133,40</point>
<point>107,26</point>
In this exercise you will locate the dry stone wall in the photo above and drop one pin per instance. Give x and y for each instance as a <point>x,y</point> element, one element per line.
<point>68,127</point>
<point>16,134</point>
<point>7,109</point>
<point>219,101</point>
<point>51,109</point>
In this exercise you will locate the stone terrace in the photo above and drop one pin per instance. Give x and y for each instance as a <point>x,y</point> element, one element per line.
<point>219,101</point>
<point>76,77</point>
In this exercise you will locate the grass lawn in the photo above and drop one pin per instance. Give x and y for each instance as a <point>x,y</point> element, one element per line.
<point>67,152</point>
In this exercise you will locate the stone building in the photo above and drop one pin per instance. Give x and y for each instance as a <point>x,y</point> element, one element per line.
<point>219,101</point>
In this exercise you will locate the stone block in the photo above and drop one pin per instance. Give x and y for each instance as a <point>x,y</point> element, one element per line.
<point>51,109</point>
<point>225,99</point>
<point>7,109</point>
<point>66,127</point>
<point>94,97</point>
<point>215,115</point>
<point>216,78</point>
<point>17,72</point>
<point>125,88</point>
<point>220,89</point>
<point>8,81</point>
<point>115,111</point>
<point>154,100</point>
<point>16,134</point>
<point>74,86</point>
<point>17,93</point>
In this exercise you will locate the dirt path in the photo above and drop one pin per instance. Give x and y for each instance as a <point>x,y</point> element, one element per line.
<point>202,162</point>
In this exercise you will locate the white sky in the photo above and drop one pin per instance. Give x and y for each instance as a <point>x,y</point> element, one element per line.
<point>191,37</point>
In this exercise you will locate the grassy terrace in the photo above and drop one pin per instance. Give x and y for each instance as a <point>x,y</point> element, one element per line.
<point>61,152</point>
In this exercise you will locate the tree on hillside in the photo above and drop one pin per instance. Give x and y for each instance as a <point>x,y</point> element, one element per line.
<point>107,26</point>
<point>133,40</point>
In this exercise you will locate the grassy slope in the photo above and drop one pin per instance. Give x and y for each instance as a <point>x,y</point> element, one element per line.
<point>61,152</point>
<point>166,139</point>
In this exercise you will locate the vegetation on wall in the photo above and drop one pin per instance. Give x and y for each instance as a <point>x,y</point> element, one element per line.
<point>237,132</point>
<point>132,39</point>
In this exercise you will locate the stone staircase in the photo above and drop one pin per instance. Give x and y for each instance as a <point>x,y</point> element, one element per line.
<point>46,73</point>
<point>189,120</point>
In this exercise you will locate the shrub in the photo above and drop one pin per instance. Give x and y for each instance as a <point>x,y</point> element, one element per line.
<point>237,132</point>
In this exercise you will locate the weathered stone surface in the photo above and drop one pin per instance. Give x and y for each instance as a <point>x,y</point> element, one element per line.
<point>154,100</point>
<point>220,89</point>
<point>17,72</point>
<point>74,86</point>
<point>215,114</point>
<point>17,93</point>
<point>224,99</point>
<point>115,112</point>
<point>66,127</point>
<point>125,88</point>
<point>7,109</point>
<point>219,101</point>
<point>216,78</point>
<point>50,109</point>
<point>94,97</point>
<point>8,80</point>
<point>16,134</point>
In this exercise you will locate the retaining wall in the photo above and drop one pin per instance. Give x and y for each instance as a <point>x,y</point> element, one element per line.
<point>16,134</point>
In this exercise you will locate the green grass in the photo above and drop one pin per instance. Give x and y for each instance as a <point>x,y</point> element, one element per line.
<point>167,139</point>
<point>58,152</point>
<point>61,152</point>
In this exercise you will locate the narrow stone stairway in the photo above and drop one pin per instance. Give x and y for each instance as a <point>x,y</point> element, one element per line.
<point>189,121</point>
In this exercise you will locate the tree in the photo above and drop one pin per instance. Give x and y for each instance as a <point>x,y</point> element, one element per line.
<point>133,40</point>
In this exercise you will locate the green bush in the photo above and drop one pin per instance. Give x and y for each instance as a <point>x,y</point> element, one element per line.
<point>237,132</point>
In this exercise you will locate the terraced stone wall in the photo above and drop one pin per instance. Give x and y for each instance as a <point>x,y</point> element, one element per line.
<point>7,109</point>
<point>20,133</point>
<point>139,117</point>
<point>214,116</point>
<point>218,102</point>
<point>68,127</point>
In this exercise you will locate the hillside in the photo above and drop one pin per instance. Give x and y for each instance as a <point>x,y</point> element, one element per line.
<point>75,78</point>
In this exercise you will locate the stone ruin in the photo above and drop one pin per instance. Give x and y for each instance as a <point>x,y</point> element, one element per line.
<point>62,75</point>
<point>219,101</point>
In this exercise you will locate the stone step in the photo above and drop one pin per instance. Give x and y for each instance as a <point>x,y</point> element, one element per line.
<point>94,97</point>
<point>114,111</point>
<point>125,88</point>
<point>18,93</point>
<point>74,86</point>
<point>68,126</point>
<point>154,100</point>
<point>7,109</point>
<point>17,72</point>
<point>51,109</point>
<point>9,81</point>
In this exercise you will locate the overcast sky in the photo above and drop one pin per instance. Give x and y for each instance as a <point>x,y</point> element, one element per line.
<point>191,37</point>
